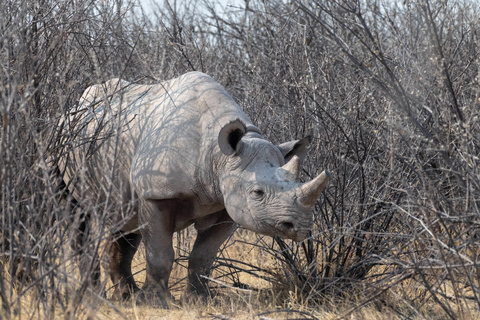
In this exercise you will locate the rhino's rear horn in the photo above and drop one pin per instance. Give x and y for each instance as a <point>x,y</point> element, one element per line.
<point>310,191</point>
<point>291,170</point>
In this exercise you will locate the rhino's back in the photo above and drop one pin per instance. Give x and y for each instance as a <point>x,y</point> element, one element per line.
<point>156,141</point>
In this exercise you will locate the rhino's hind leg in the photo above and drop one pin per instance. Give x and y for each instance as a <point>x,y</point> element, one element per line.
<point>208,241</point>
<point>88,259</point>
<point>121,254</point>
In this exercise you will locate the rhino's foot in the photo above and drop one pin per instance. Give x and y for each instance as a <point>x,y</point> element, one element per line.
<point>154,298</point>
<point>124,293</point>
<point>195,297</point>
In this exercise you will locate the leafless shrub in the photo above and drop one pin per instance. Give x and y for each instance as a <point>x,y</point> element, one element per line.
<point>390,92</point>
<point>50,51</point>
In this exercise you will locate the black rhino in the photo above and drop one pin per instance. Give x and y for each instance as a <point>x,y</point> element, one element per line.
<point>177,153</point>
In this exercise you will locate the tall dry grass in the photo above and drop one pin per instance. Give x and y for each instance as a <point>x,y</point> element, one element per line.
<point>388,91</point>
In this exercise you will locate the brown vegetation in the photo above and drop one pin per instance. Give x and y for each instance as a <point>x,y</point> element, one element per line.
<point>389,92</point>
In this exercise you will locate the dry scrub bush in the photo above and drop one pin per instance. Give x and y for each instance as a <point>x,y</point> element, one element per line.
<point>388,91</point>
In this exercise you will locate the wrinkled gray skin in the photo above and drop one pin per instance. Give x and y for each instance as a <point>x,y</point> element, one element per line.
<point>178,153</point>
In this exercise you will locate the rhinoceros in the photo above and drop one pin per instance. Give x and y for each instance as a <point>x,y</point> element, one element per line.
<point>177,153</point>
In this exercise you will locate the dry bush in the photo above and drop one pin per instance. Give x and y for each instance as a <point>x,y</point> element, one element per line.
<point>50,51</point>
<point>389,93</point>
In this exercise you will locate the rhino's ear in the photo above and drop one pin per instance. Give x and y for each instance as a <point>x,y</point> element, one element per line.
<point>295,148</point>
<point>230,136</point>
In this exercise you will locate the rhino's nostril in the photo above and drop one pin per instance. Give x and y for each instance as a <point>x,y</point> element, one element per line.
<point>287,226</point>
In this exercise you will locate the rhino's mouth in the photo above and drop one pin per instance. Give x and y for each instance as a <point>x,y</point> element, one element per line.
<point>289,230</point>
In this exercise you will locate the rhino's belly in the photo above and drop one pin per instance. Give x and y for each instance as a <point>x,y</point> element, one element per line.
<point>185,218</point>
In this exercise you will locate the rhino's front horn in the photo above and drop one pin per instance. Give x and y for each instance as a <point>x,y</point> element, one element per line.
<point>290,170</point>
<point>310,191</point>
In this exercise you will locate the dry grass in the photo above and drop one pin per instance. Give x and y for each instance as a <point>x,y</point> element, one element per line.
<point>260,301</point>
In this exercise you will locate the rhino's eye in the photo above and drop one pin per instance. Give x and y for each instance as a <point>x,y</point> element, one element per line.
<point>258,193</point>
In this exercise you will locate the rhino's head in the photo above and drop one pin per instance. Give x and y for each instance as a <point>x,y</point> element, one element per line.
<point>260,183</point>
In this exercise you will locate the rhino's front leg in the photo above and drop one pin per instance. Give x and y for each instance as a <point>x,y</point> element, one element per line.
<point>157,221</point>
<point>209,239</point>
